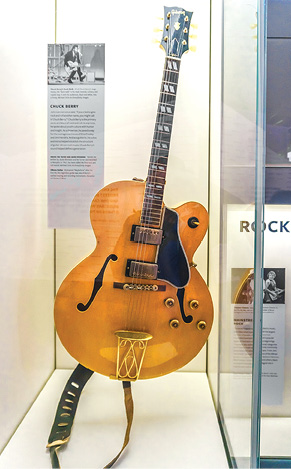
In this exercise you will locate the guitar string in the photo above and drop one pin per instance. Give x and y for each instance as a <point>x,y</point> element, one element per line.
<point>158,135</point>
<point>145,214</point>
<point>148,205</point>
<point>157,153</point>
<point>162,120</point>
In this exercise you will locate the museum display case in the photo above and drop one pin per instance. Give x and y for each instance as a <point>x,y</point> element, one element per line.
<point>253,378</point>
<point>89,110</point>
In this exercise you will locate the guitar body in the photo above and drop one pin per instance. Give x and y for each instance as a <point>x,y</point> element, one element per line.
<point>98,305</point>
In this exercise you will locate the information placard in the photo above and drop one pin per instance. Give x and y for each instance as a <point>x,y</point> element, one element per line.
<point>75,132</point>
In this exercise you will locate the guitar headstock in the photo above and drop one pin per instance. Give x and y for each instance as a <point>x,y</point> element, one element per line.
<point>175,39</point>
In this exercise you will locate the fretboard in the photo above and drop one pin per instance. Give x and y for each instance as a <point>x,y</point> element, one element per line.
<point>155,184</point>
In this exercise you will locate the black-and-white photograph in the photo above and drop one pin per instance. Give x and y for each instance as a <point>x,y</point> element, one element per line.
<point>274,286</point>
<point>75,63</point>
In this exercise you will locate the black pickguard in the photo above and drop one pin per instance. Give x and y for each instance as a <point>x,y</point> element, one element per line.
<point>173,265</point>
<point>97,284</point>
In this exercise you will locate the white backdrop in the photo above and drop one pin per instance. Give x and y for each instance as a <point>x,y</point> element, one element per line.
<point>26,267</point>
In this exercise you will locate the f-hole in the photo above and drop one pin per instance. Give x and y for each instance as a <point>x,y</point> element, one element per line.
<point>97,284</point>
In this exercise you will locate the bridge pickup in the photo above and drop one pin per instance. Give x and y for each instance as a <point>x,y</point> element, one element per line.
<point>139,286</point>
<point>138,269</point>
<point>146,235</point>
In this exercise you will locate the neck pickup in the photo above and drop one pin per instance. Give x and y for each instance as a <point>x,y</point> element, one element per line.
<point>146,235</point>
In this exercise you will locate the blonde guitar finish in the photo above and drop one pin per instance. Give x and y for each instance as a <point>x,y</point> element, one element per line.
<point>89,336</point>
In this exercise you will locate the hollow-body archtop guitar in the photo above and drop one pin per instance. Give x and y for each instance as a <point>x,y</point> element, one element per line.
<point>137,307</point>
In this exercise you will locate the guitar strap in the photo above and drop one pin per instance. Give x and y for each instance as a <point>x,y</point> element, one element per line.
<point>66,410</point>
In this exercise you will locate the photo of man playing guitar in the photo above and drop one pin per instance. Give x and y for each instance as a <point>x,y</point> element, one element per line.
<point>72,64</point>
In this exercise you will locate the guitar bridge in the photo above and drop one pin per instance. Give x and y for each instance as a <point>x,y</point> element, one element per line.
<point>130,354</point>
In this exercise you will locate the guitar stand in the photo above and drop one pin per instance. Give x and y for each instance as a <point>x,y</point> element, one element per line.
<point>66,410</point>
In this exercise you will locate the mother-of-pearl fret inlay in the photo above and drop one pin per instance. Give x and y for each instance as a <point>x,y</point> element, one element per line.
<point>172,65</point>
<point>166,109</point>
<point>164,128</point>
<point>151,214</point>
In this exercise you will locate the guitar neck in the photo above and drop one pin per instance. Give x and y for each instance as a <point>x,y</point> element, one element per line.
<point>151,214</point>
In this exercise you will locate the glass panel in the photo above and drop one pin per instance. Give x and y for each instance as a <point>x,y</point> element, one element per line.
<point>241,184</point>
<point>276,371</point>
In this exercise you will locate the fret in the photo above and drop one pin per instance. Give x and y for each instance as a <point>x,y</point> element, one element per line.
<point>154,203</point>
<point>154,180</point>
<point>151,219</point>
<point>153,210</point>
<point>157,177</point>
<point>154,197</point>
<point>160,150</point>
<point>162,137</point>
<point>158,135</point>
<point>157,154</point>
<point>155,217</point>
<point>171,76</point>
<point>168,70</point>
<point>165,143</point>
<point>156,159</point>
<point>164,118</point>
<point>155,194</point>
<point>157,174</point>
<point>151,223</point>
<point>168,99</point>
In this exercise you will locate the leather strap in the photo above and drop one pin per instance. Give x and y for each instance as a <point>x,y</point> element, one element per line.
<point>64,418</point>
<point>66,410</point>
<point>128,402</point>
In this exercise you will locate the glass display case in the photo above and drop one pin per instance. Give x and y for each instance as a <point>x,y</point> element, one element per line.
<point>253,372</point>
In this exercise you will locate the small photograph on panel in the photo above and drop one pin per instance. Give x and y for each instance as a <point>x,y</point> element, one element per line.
<point>76,64</point>
<point>274,286</point>
<point>242,286</point>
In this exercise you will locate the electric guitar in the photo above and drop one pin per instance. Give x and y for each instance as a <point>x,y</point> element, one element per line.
<point>137,307</point>
<point>70,66</point>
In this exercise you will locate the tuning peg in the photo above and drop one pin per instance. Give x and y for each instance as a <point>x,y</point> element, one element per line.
<point>193,48</point>
<point>157,30</point>
<point>159,18</point>
<point>193,36</point>
<point>255,37</point>
<point>156,41</point>
<point>253,26</point>
<point>195,26</point>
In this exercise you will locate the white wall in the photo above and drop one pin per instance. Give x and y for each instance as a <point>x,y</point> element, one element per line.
<point>26,267</point>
